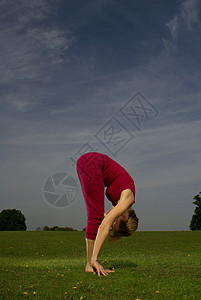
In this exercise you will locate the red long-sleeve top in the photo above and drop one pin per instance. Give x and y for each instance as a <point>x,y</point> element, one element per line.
<point>97,171</point>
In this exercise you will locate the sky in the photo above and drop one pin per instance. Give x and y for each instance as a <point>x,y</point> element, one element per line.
<point>117,77</point>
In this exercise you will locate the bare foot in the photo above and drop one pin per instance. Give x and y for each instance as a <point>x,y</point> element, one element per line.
<point>89,269</point>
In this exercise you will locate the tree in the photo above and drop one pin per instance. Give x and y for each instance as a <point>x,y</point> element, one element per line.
<point>46,228</point>
<point>12,219</point>
<point>70,229</point>
<point>195,223</point>
<point>54,228</point>
<point>57,228</point>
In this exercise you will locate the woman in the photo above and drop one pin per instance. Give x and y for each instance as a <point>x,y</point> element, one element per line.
<point>96,171</point>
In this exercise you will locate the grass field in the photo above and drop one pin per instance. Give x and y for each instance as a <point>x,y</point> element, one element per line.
<point>148,265</point>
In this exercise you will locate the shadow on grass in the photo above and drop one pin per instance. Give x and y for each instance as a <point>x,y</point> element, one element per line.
<point>118,263</point>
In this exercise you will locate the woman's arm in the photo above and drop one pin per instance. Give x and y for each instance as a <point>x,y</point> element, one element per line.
<point>103,230</point>
<point>89,249</point>
<point>108,211</point>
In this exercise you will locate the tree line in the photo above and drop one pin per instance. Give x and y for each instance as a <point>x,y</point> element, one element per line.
<point>57,228</point>
<point>14,220</point>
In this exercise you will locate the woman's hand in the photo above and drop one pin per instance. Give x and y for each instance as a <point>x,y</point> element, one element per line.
<point>100,269</point>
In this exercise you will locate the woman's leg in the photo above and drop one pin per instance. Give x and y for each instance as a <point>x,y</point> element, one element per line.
<point>92,184</point>
<point>89,249</point>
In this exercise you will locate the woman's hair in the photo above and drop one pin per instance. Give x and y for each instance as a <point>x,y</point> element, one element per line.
<point>126,228</point>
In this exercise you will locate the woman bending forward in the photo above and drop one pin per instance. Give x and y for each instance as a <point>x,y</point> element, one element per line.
<point>96,171</point>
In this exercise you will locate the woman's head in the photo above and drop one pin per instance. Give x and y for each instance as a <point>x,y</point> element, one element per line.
<point>124,225</point>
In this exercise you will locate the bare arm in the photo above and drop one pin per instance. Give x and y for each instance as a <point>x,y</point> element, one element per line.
<point>124,203</point>
<point>108,211</point>
<point>90,244</point>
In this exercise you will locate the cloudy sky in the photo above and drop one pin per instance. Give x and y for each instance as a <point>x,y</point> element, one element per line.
<point>73,71</point>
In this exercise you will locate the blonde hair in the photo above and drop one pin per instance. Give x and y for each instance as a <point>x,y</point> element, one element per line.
<point>126,228</point>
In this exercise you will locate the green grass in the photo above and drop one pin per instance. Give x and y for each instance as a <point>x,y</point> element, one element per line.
<point>148,265</point>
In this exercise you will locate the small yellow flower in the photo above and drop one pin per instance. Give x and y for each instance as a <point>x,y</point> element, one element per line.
<point>189,255</point>
<point>81,298</point>
<point>74,287</point>
<point>68,269</point>
<point>27,266</point>
<point>157,292</point>
<point>137,299</point>
<point>25,293</point>
<point>34,293</point>
<point>112,268</point>
<point>65,293</point>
